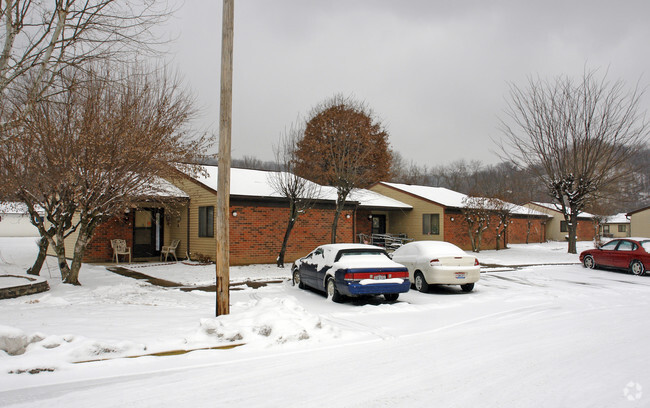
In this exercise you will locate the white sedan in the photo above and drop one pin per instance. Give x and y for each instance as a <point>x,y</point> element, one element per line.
<point>438,263</point>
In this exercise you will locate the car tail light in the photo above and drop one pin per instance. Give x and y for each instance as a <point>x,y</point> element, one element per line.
<point>435,262</point>
<point>355,276</point>
<point>476,263</point>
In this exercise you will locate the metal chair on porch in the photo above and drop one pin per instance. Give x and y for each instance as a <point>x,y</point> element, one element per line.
<point>170,250</point>
<point>120,248</point>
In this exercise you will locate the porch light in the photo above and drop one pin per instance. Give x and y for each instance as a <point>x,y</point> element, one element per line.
<point>234,213</point>
<point>347,216</point>
<point>452,218</point>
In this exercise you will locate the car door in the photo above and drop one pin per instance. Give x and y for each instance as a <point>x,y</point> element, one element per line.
<point>406,256</point>
<point>622,257</point>
<point>606,254</point>
<point>308,267</point>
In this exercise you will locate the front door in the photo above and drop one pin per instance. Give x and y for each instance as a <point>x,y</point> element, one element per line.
<point>378,228</point>
<point>148,232</point>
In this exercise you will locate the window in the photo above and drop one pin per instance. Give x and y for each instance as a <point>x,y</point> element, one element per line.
<point>610,246</point>
<point>605,229</point>
<point>431,224</point>
<point>563,226</point>
<point>622,228</point>
<point>206,221</point>
<point>626,246</point>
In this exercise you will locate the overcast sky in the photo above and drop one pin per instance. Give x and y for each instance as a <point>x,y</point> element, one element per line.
<point>435,72</point>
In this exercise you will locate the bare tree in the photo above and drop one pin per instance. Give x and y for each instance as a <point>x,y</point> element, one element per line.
<point>576,135</point>
<point>344,146</point>
<point>299,192</point>
<point>476,214</point>
<point>99,146</point>
<point>503,211</point>
<point>42,38</point>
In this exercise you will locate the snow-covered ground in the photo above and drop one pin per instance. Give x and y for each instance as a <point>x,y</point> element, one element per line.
<point>540,332</point>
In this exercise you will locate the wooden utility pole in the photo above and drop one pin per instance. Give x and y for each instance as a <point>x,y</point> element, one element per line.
<point>223,182</point>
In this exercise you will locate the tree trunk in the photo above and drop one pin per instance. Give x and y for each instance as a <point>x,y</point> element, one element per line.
<point>293,214</point>
<point>85,233</point>
<point>340,202</point>
<point>498,237</point>
<point>528,226</point>
<point>472,237</point>
<point>43,244</point>
<point>572,228</point>
<point>57,242</point>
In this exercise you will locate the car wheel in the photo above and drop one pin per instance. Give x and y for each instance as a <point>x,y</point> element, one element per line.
<point>296,281</point>
<point>421,283</point>
<point>332,292</point>
<point>636,267</point>
<point>468,287</point>
<point>589,262</point>
<point>391,297</point>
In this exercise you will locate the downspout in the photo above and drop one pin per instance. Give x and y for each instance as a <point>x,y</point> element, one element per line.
<point>187,252</point>
<point>354,223</point>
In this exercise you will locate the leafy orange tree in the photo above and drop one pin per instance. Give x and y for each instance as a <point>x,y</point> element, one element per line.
<point>344,146</point>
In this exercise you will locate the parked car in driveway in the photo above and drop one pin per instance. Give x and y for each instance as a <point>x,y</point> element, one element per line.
<point>632,254</point>
<point>438,263</point>
<point>351,270</point>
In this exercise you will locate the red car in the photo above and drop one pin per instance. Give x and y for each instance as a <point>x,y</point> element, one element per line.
<point>632,254</point>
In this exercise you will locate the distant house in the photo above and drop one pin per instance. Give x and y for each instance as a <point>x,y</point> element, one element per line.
<point>15,222</point>
<point>258,219</point>
<point>640,222</point>
<point>557,228</point>
<point>437,215</point>
<point>615,226</point>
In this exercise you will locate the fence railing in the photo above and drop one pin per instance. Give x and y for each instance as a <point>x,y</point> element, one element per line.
<point>388,241</point>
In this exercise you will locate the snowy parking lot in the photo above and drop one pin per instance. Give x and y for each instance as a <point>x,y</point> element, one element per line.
<point>539,330</point>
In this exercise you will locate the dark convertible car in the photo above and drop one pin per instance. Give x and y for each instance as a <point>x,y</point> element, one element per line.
<point>632,254</point>
<point>351,270</point>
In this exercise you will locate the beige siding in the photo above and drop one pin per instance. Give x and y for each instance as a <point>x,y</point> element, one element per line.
<point>553,232</point>
<point>200,197</point>
<point>410,222</point>
<point>69,241</point>
<point>640,223</point>
<point>614,232</point>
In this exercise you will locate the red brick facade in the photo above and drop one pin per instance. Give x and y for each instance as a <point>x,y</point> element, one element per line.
<point>256,233</point>
<point>586,230</point>
<point>456,232</point>
<point>99,248</point>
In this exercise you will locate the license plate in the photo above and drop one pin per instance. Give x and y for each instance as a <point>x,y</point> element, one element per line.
<point>460,275</point>
<point>379,277</point>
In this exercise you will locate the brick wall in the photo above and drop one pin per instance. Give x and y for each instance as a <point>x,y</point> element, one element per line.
<point>518,229</point>
<point>455,231</point>
<point>99,248</point>
<point>256,233</point>
<point>585,230</point>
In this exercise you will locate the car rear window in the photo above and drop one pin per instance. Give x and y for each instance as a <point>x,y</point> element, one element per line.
<point>645,245</point>
<point>357,252</point>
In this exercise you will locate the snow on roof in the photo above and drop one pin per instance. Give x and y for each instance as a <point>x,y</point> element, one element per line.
<point>619,218</point>
<point>440,195</point>
<point>257,183</point>
<point>367,198</point>
<point>450,198</point>
<point>15,208</point>
<point>556,207</point>
<point>160,187</point>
